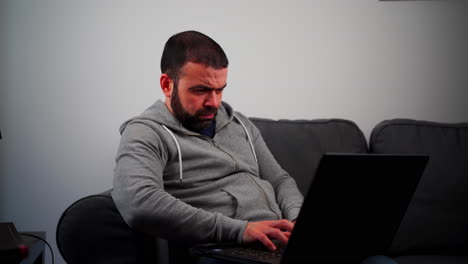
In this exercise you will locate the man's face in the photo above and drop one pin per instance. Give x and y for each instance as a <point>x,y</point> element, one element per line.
<point>196,96</point>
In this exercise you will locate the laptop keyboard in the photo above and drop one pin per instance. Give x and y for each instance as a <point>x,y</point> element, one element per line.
<point>257,252</point>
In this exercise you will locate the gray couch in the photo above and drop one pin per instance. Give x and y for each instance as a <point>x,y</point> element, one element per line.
<point>434,229</point>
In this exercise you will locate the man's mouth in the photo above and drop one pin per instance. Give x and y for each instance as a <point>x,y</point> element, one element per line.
<point>208,114</point>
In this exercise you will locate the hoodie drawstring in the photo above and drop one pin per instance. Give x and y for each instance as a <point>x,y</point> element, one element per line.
<point>179,153</point>
<point>248,137</point>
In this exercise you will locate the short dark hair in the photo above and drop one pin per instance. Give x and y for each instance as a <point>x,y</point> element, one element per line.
<point>191,46</point>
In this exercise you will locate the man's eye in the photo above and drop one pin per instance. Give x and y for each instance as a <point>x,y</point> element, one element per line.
<point>205,91</point>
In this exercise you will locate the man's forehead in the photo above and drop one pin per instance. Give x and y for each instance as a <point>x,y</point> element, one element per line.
<point>206,74</point>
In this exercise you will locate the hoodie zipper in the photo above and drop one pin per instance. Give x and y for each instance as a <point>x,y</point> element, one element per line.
<point>249,177</point>
<point>236,169</point>
<point>236,164</point>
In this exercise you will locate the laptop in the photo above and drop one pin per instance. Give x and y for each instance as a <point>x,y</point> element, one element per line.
<point>353,209</point>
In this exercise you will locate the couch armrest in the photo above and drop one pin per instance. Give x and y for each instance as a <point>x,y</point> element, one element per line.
<point>91,230</point>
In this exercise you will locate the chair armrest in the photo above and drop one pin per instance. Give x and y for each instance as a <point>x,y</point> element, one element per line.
<point>91,230</point>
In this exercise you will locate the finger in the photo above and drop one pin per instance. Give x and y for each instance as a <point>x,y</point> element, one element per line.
<point>279,235</point>
<point>266,242</point>
<point>283,224</point>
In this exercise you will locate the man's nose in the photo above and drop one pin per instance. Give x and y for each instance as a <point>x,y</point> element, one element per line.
<point>213,99</point>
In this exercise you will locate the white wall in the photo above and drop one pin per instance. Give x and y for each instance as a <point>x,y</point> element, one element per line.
<point>72,71</point>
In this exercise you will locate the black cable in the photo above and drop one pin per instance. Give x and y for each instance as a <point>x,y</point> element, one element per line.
<point>43,240</point>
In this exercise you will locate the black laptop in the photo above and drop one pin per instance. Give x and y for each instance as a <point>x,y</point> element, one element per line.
<point>353,209</point>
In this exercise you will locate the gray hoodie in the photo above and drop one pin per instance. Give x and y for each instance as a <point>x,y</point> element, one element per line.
<point>178,184</point>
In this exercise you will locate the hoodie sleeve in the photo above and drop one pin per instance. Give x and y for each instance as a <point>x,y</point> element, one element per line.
<point>288,196</point>
<point>144,204</point>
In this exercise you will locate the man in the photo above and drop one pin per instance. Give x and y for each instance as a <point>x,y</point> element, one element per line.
<point>193,169</point>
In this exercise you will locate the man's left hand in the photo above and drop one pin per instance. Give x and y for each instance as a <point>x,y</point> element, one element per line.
<point>263,231</point>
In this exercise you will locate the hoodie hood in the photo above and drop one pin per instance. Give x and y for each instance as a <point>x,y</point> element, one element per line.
<point>160,114</point>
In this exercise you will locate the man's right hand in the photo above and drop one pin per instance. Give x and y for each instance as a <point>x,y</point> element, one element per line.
<point>265,230</point>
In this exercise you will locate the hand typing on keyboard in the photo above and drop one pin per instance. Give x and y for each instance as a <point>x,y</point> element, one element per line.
<point>264,231</point>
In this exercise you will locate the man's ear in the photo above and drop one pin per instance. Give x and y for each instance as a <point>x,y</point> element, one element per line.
<point>167,84</point>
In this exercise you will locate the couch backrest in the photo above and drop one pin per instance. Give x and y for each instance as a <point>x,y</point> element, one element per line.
<point>436,221</point>
<point>298,145</point>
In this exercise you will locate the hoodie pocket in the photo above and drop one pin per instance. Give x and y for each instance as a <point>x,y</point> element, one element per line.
<point>254,201</point>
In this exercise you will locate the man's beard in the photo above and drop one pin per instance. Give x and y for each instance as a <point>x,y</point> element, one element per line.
<point>191,122</point>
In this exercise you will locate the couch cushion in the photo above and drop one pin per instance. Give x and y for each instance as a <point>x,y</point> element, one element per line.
<point>437,218</point>
<point>298,145</point>
<point>91,230</point>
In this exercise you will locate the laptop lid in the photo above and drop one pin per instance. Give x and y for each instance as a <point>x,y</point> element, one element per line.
<point>353,209</point>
